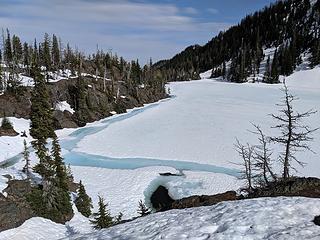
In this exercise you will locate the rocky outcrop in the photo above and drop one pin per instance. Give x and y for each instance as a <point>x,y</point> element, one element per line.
<point>161,199</point>
<point>198,201</point>
<point>14,209</point>
<point>8,132</point>
<point>317,220</point>
<point>294,187</point>
<point>97,102</point>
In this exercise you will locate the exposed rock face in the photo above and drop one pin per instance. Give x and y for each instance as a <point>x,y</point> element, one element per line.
<point>317,220</point>
<point>16,106</point>
<point>14,209</point>
<point>295,187</point>
<point>8,132</point>
<point>63,120</point>
<point>161,200</point>
<point>97,102</point>
<point>198,201</point>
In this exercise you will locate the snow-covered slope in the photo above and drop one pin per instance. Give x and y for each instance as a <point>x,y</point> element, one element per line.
<point>268,218</point>
<point>264,218</point>
<point>11,146</point>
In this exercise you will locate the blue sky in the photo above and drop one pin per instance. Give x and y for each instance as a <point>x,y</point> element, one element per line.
<point>131,28</point>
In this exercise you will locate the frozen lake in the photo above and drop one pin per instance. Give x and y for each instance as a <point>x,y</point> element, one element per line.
<point>194,130</point>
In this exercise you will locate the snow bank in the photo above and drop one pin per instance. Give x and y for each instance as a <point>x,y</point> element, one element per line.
<point>267,218</point>
<point>36,229</point>
<point>64,106</point>
<point>11,146</point>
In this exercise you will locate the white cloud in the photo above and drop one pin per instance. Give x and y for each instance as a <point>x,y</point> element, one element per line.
<point>130,28</point>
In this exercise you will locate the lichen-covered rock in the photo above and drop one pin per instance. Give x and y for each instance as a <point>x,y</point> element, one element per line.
<point>294,187</point>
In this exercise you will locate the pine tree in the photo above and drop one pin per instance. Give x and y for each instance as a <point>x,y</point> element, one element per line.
<point>274,76</point>
<point>267,73</point>
<point>16,49</point>
<point>69,173</point>
<point>61,177</point>
<point>46,52</point>
<point>8,48</point>
<point>102,219</point>
<point>26,53</point>
<point>6,124</point>
<point>26,156</point>
<point>41,127</point>
<point>143,210</point>
<point>55,52</point>
<point>83,201</point>
<point>315,53</point>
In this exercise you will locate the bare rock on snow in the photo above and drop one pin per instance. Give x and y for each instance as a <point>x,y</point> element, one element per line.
<point>317,220</point>
<point>294,187</point>
<point>14,209</point>
<point>199,201</point>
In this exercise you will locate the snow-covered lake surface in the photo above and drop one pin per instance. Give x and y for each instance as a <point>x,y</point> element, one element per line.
<point>200,124</point>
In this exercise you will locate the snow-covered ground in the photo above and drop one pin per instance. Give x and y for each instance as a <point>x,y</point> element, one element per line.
<point>11,146</point>
<point>264,218</point>
<point>64,106</point>
<point>198,125</point>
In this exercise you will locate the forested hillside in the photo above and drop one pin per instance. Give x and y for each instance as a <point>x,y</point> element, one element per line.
<point>292,27</point>
<point>94,85</point>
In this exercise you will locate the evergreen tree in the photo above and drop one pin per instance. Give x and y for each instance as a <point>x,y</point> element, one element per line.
<point>61,177</point>
<point>46,52</point>
<point>16,49</point>
<point>102,219</point>
<point>41,124</point>
<point>83,201</point>
<point>267,73</point>
<point>26,55</point>
<point>315,53</point>
<point>26,156</point>
<point>6,124</point>
<point>143,210</point>
<point>274,76</point>
<point>55,52</point>
<point>8,48</point>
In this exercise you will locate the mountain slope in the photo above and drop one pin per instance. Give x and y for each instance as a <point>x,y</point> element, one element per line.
<point>266,218</point>
<point>292,26</point>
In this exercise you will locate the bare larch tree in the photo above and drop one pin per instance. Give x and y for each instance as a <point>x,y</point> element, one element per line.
<point>294,135</point>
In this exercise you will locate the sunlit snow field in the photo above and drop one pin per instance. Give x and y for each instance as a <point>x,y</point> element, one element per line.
<point>194,132</point>
<point>201,122</point>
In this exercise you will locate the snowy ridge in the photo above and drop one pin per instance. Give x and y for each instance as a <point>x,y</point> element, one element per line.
<point>265,218</point>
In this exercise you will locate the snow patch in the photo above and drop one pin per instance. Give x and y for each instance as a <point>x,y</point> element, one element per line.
<point>64,106</point>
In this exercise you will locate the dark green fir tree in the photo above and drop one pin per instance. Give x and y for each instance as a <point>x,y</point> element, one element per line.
<point>102,219</point>
<point>83,201</point>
